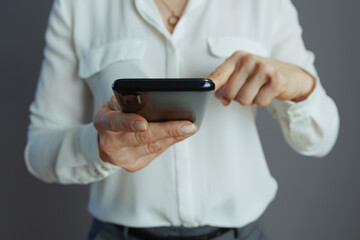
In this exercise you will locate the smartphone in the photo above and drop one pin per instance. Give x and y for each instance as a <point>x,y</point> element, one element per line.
<point>165,99</point>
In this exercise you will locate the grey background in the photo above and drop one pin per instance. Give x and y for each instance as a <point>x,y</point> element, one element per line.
<point>317,198</point>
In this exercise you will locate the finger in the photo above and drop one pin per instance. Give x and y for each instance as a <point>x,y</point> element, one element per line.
<point>156,147</point>
<point>143,155</point>
<point>252,86</point>
<point>116,121</point>
<point>272,89</point>
<point>159,130</point>
<point>265,95</point>
<point>245,68</point>
<point>222,73</point>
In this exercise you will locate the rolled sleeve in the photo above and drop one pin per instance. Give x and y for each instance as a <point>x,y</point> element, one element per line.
<point>310,126</point>
<point>97,169</point>
<point>62,142</point>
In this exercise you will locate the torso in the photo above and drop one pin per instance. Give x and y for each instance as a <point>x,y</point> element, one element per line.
<point>127,39</point>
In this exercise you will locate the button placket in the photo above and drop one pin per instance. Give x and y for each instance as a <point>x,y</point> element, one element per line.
<point>184,186</point>
<point>180,149</point>
<point>181,154</point>
<point>172,70</point>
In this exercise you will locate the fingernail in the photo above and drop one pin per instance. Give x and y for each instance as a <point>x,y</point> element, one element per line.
<point>140,125</point>
<point>188,128</point>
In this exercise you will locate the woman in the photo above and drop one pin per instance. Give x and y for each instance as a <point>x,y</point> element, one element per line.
<point>159,180</point>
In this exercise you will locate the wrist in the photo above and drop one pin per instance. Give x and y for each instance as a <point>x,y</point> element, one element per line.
<point>103,155</point>
<point>306,85</point>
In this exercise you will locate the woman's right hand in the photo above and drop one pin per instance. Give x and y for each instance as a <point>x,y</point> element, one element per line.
<point>130,142</point>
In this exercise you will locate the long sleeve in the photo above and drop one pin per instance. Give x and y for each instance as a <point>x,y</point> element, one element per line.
<point>311,126</point>
<point>62,142</point>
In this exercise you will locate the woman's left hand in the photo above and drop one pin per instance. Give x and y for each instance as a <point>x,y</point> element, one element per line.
<point>250,79</point>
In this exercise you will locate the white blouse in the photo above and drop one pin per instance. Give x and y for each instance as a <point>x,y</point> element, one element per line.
<point>219,176</point>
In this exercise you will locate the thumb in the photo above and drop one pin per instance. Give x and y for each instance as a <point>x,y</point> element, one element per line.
<point>109,118</point>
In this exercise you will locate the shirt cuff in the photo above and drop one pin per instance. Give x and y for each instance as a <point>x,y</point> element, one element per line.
<point>298,120</point>
<point>97,168</point>
<point>295,110</point>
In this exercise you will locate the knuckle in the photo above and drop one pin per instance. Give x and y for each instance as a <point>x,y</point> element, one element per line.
<point>143,137</point>
<point>248,63</point>
<point>237,53</point>
<point>153,147</point>
<point>275,77</point>
<point>265,68</point>
<point>172,130</point>
<point>260,66</point>
<point>225,92</point>
<point>243,100</point>
<point>249,58</point>
<point>277,82</point>
<point>228,96</point>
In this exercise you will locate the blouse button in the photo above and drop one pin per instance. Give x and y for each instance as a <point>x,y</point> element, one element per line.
<point>104,168</point>
<point>97,173</point>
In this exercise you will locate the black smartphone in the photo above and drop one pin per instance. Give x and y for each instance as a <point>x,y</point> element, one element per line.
<point>165,99</point>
